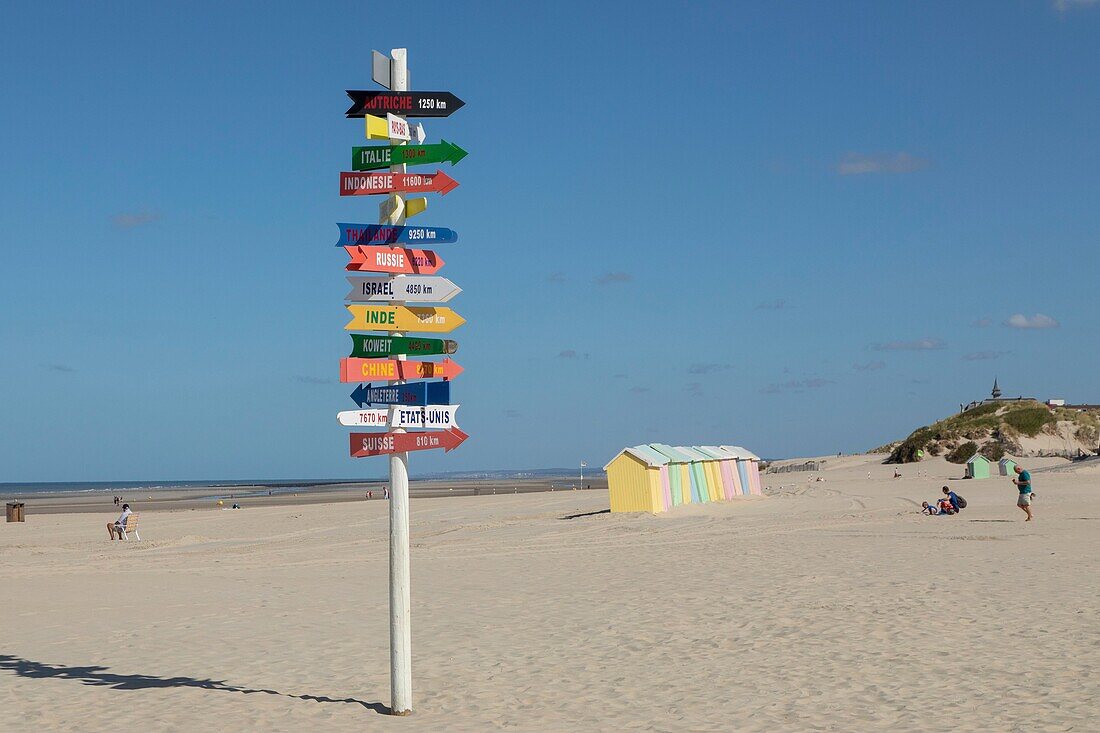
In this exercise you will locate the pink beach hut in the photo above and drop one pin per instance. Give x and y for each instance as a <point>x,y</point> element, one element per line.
<point>751,463</point>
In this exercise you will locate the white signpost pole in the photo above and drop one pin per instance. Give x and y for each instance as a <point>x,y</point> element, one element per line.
<point>400,594</point>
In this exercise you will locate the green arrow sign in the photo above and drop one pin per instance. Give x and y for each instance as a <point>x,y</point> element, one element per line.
<point>371,158</point>
<point>366,347</point>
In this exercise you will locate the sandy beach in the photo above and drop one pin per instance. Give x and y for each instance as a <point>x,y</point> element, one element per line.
<point>827,605</point>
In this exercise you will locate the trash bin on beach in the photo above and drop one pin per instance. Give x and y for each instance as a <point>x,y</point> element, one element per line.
<point>15,511</point>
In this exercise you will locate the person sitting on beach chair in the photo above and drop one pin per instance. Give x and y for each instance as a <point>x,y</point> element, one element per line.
<point>117,528</point>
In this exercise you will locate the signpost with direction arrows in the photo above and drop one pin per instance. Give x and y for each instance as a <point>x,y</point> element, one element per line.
<point>384,156</point>
<point>428,416</point>
<point>407,275</point>
<point>393,259</point>
<point>378,234</point>
<point>366,347</point>
<point>380,444</point>
<point>402,318</point>
<point>406,104</point>
<point>409,288</point>
<point>368,184</point>
<point>354,369</point>
<point>409,393</point>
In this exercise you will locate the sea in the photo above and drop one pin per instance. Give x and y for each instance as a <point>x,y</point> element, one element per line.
<point>258,487</point>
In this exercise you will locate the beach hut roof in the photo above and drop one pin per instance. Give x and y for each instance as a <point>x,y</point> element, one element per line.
<point>725,451</point>
<point>643,453</point>
<point>711,450</point>
<point>675,455</point>
<point>741,452</point>
<point>694,454</point>
<point>978,457</point>
<point>1007,460</point>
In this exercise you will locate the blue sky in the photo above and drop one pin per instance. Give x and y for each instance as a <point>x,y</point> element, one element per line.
<point>798,227</point>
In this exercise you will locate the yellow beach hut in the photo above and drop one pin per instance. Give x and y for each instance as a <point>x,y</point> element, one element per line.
<point>637,480</point>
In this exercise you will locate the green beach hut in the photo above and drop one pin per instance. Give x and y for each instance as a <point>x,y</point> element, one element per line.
<point>977,466</point>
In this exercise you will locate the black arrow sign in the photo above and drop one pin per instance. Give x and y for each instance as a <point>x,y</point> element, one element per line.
<point>405,104</point>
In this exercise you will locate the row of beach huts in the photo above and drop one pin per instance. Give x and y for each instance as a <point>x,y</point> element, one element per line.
<point>656,477</point>
<point>981,467</point>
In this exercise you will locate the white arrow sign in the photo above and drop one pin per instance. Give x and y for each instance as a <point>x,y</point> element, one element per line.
<point>431,416</point>
<point>399,129</point>
<point>408,288</point>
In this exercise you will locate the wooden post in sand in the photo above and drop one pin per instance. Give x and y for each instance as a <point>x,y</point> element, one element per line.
<point>382,353</point>
<point>400,578</point>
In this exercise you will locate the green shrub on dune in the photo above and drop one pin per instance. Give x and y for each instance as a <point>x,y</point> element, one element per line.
<point>963,453</point>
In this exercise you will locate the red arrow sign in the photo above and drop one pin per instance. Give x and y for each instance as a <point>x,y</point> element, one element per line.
<point>391,370</point>
<point>380,444</point>
<point>365,184</point>
<point>393,259</point>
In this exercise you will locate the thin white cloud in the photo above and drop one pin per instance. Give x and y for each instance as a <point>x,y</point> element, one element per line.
<point>1063,6</point>
<point>1019,320</point>
<point>858,164</point>
<point>982,323</point>
<point>983,355</point>
<point>871,366</point>
<point>709,368</point>
<point>614,277</point>
<point>925,344</point>
<point>797,385</point>
<point>132,220</point>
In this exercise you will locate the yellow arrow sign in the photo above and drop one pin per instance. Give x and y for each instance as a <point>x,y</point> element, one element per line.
<point>402,318</point>
<point>415,206</point>
<point>378,128</point>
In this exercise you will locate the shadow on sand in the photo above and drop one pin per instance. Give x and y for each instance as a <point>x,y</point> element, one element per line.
<point>586,514</point>
<point>100,677</point>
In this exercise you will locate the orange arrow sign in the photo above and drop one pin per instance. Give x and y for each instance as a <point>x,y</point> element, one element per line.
<point>392,370</point>
<point>393,259</point>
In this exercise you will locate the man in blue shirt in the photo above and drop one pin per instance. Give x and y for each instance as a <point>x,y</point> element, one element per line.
<point>952,497</point>
<point>1023,483</point>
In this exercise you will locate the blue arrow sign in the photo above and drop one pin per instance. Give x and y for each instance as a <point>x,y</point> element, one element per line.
<point>413,393</point>
<point>353,234</point>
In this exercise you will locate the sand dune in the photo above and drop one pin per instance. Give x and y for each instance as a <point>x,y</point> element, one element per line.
<point>827,605</point>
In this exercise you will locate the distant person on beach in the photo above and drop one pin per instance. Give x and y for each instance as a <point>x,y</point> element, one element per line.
<point>385,493</point>
<point>1023,483</point>
<point>897,473</point>
<point>929,509</point>
<point>946,507</point>
<point>115,528</point>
